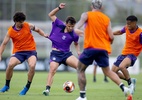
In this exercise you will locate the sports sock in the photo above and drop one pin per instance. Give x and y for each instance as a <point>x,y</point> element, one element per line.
<point>28,84</point>
<point>7,83</point>
<point>129,81</point>
<point>82,94</point>
<point>105,77</point>
<point>48,87</point>
<point>121,86</point>
<point>94,79</point>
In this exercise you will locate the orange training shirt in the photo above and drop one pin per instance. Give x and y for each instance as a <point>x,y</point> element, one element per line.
<point>23,39</point>
<point>132,45</point>
<point>96,35</point>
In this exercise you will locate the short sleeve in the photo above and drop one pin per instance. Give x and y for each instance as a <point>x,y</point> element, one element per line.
<point>141,38</point>
<point>122,30</point>
<point>57,22</point>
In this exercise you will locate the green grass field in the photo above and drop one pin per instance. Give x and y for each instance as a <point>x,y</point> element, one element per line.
<point>95,91</point>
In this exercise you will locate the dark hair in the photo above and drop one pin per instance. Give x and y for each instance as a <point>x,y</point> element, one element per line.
<point>19,16</point>
<point>70,20</point>
<point>132,18</point>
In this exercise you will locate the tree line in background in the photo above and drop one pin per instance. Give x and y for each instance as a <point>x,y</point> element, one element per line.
<point>37,10</point>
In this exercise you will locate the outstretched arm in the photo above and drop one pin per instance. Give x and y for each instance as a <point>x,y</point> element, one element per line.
<point>38,30</point>
<point>52,14</point>
<point>3,45</point>
<point>118,32</point>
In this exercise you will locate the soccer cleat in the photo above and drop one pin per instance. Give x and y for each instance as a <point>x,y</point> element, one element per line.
<point>46,92</point>
<point>127,93</point>
<point>132,86</point>
<point>24,91</point>
<point>4,89</point>
<point>79,98</point>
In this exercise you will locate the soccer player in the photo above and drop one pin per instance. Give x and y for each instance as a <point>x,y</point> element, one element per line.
<point>130,52</point>
<point>24,48</point>
<point>95,71</point>
<point>61,36</point>
<point>97,45</point>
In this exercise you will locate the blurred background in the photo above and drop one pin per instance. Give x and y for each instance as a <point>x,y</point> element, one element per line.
<point>37,13</point>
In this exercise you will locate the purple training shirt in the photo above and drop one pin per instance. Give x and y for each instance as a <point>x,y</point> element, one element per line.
<point>61,40</point>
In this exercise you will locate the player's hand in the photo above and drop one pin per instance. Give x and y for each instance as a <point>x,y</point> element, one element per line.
<point>111,41</point>
<point>79,53</point>
<point>62,5</point>
<point>46,35</point>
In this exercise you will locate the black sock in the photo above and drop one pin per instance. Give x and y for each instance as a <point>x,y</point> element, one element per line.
<point>105,77</point>
<point>129,81</point>
<point>121,86</point>
<point>48,87</point>
<point>28,84</point>
<point>82,94</point>
<point>94,78</point>
<point>7,83</point>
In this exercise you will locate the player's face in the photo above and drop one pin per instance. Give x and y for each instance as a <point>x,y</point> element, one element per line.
<point>19,24</point>
<point>69,27</point>
<point>131,25</point>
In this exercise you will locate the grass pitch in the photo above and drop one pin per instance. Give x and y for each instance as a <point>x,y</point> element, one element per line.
<point>95,91</point>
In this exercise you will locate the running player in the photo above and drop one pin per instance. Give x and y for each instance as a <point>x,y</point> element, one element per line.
<point>24,48</point>
<point>130,52</point>
<point>61,36</point>
<point>97,45</point>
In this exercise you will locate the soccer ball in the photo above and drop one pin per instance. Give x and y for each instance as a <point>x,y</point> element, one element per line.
<point>68,86</point>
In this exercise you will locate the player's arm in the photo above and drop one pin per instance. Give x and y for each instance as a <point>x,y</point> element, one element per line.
<point>38,30</point>
<point>3,44</point>
<point>118,32</point>
<point>52,14</point>
<point>77,47</point>
<point>109,30</point>
<point>79,32</point>
<point>82,20</point>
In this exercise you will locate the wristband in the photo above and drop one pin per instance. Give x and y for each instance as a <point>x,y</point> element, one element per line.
<point>59,8</point>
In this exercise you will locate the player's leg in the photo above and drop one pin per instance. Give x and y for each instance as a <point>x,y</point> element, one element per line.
<point>114,77</point>
<point>52,71</point>
<point>123,67</point>
<point>32,63</point>
<point>72,61</point>
<point>81,80</point>
<point>9,72</point>
<point>105,79</point>
<point>94,73</point>
<point>116,70</point>
<point>103,62</point>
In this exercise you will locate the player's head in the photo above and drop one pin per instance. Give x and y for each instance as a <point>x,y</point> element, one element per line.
<point>97,4</point>
<point>70,23</point>
<point>19,16</point>
<point>19,19</point>
<point>131,22</point>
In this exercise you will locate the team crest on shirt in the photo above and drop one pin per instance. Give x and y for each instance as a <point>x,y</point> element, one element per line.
<point>63,37</point>
<point>18,33</point>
